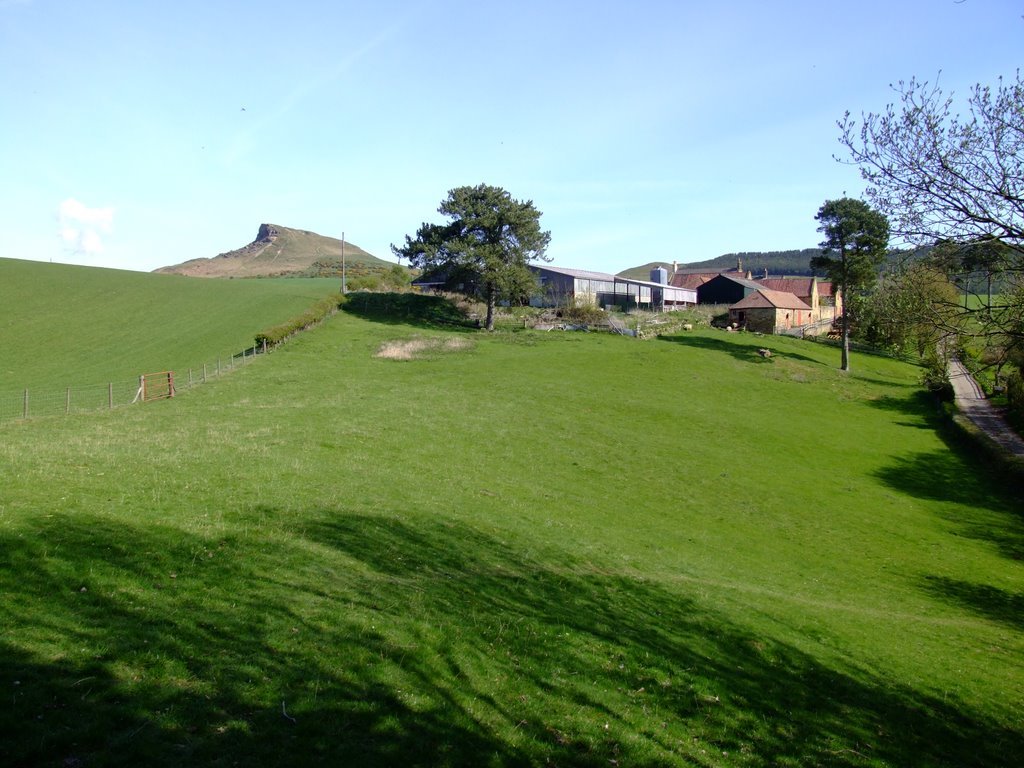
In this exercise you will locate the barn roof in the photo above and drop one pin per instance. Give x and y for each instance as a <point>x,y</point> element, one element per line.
<point>583,274</point>
<point>691,280</point>
<point>798,286</point>
<point>737,279</point>
<point>766,297</point>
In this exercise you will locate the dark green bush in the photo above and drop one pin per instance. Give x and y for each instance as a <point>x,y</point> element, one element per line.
<point>323,308</point>
<point>1015,400</point>
<point>583,314</point>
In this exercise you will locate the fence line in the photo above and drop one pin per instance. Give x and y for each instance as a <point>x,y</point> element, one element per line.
<point>52,401</point>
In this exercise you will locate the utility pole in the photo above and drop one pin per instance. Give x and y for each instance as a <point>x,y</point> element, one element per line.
<point>344,286</point>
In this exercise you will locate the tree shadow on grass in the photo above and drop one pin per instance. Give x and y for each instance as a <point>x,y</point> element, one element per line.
<point>988,504</point>
<point>949,475</point>
<point>985,600</point>
<point>169,649</point>
<point>919,406</point>
<point>742,347</point>
<point>408,309</point>
<point>373,640</point>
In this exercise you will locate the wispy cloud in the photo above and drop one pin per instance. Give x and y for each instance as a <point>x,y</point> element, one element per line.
<point>81,228</point>
<point>246,142</point>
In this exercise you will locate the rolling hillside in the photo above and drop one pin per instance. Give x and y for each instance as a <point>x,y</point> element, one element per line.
<point>696,557</point>
<point>66,325</point>
<point>281,251</point>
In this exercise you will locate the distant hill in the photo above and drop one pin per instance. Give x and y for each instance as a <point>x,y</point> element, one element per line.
<point>281,251</point>
<point>778,263</point>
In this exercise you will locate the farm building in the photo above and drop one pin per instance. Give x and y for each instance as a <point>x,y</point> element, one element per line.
<point>443,279</point>
<point>768,311</point>
<point>694,279</point>
<point>561,286</point>
<point>725,289</point>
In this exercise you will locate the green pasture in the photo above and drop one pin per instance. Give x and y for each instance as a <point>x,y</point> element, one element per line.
<point>512,549</point>
<point>70,326</point>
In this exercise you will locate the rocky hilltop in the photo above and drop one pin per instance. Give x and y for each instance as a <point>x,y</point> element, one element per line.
<point>281,251</point>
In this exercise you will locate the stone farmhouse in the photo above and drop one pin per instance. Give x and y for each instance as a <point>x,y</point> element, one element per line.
<point>768,311</point>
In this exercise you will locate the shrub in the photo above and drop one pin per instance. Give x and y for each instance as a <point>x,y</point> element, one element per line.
<point>428,309</point>
<point>935,377</point>
<point>583,314</point>
<point>323,308</point>
<point>1015,400</point>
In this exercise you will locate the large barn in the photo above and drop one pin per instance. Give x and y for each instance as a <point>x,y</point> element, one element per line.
<point>561,286</point>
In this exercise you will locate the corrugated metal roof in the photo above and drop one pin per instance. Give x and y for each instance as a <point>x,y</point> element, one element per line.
<point>583,274</point>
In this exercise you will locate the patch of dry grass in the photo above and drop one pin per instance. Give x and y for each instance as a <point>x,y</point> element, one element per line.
<point>415,349</point>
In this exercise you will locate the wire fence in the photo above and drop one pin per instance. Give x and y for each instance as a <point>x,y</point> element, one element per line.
<point>42,401</point>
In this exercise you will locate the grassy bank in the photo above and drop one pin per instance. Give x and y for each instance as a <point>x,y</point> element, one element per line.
<point>513,549</point>
<point>66,325</point>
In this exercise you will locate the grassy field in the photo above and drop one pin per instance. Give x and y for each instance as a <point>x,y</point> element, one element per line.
<point>66,325</point>
<point>514,549</point>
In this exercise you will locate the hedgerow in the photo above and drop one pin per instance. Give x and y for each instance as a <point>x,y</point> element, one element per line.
<point>315,314</point>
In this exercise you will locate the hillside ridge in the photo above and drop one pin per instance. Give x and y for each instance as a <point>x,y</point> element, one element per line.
<point>793,262</point>
<point>279,251</point>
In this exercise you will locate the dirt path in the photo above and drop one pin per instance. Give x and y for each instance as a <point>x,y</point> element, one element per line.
<point>972,404</point>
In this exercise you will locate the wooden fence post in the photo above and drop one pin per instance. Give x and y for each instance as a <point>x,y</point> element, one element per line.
<point>24,406</point>
<point>67,401</point>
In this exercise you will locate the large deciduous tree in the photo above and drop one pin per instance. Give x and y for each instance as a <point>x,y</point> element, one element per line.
<point>489,236</point>
<point>957,179</point>
<point>856,239</point>
<point>911,311</point>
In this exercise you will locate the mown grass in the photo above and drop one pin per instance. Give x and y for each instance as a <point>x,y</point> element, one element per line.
<point>532,549</point>
<point>66,325</point>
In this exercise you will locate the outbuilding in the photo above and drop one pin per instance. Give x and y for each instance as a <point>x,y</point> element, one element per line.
<point>725,289</point>
<point>768,311</point>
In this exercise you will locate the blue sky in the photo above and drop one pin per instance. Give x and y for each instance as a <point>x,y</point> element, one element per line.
<point>139,134</point>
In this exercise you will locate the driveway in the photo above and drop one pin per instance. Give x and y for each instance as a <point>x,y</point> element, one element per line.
<point>972,404</point>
